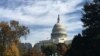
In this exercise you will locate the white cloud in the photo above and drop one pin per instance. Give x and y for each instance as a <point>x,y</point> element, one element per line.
<point>74,25</point>
<point>16,15</point>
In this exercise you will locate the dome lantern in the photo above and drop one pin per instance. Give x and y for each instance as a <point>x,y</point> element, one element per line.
<point>58,19</point>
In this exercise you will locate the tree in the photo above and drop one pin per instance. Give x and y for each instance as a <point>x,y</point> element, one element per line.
<point>78,46</point>
<point>62,49</point>
<point>11,33</point>
<point>25,49</point>
<point>88,42</point>
<point>91,20</point>
<point>36,53</point>
<point>12,50</point>
<point>49,50</point>
<point>1,50</point>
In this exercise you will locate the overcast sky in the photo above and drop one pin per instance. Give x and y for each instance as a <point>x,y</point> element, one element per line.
<point>41,15</point>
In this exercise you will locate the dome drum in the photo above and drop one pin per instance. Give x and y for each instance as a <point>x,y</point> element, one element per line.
<point>58,35</point>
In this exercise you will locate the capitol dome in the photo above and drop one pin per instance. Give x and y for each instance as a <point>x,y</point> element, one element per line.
<point>59,30</point>
<point>58,35</point>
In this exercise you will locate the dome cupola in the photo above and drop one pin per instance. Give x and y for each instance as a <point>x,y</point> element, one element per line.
<point>59,30</point>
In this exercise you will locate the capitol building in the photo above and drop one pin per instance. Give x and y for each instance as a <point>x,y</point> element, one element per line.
<point>58,35</point>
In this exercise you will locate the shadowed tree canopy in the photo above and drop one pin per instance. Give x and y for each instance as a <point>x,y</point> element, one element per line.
<point>49,50</point>
<point>62,49</point>
<point>36,53</point>
<point>88,42</point>
<point>91,19</point>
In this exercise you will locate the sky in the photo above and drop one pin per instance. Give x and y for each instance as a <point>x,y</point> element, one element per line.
<point>41,15</point>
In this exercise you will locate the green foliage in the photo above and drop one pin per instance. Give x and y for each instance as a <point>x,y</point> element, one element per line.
<point>36,52</point>
<point>88,42</point>
<point>91,20</point>
<point>49,49</point>
<point>62,48</point>
<point>55,49</point>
